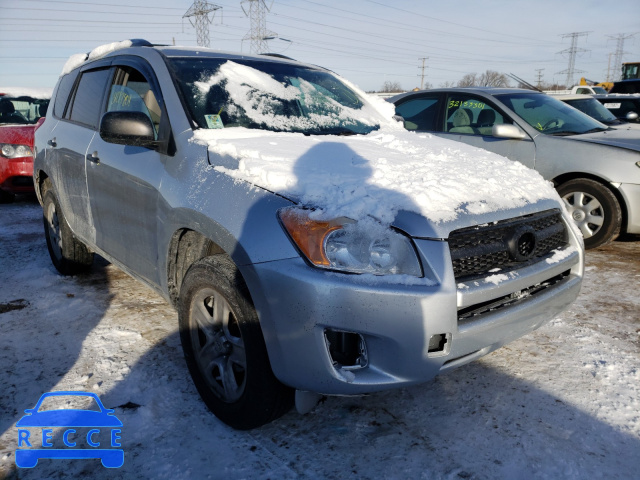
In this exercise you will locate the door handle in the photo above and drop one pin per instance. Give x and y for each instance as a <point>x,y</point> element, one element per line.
<point>93,157</point>
<point>52,142</point>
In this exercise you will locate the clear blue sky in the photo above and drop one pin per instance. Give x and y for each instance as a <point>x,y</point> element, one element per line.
<point>366,41</point>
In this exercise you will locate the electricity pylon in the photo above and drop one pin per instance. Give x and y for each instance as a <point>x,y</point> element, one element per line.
<point>201,10</point>
<point>573,50</point>
<point>258,19</point>
<point>619,53</point>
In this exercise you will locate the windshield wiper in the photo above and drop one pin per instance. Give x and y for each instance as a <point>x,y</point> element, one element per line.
<point>564,133</point>
<point>567,133</point>
<point>597,129</point>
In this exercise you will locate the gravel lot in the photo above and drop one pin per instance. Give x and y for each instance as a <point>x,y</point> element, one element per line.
<point>562,402</point>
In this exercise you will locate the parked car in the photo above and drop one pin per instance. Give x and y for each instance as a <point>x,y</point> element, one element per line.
<point>592,107</point>
<point>595,169</point>
<point>308,242</point>
<point>624,107</point>
<point>626,86</point>
<point>19,113</point>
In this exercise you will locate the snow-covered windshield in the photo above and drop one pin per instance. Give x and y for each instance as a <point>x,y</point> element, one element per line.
<point>549,115</point>
<point>270,95</point>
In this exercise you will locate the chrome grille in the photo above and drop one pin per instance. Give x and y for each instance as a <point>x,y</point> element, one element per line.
<point>475,251</point>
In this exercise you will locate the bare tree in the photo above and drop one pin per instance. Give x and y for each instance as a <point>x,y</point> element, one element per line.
<point>447,84</point>
<point>469,80</point>
<point>391,87</point>
<point>491,78</point>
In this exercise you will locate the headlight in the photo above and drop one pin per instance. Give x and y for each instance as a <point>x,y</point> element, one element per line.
<point>345,245</point>
<point>15,151</point>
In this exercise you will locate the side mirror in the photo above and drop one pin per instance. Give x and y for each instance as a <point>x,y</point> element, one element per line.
<point>508,131</point>
<point>398,118</point>
<point>128,128</point>
<point>632,116</point>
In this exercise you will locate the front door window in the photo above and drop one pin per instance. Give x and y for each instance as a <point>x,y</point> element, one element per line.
<point>469,115</point>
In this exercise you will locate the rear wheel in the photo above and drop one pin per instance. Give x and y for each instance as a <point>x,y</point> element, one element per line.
<point>69,255</point>
<point>594,209</point>
<point>224,347</point>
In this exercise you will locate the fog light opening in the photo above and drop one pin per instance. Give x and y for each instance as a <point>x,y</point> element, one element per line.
<point>439,344</point>
<point>346,349</point>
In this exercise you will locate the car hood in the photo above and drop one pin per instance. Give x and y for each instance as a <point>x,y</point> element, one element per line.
<point>633,127</point>
<point>424,185</point>
<point>17,134</point>
<point>616,137</point>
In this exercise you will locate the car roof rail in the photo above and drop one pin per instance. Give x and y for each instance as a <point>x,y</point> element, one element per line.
<point>278,55</point>
<point>140,42</point>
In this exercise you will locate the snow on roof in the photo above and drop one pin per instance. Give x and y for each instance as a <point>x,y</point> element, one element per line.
<point>378,174</point>
<point>27,92</point>
<point>79,58</point>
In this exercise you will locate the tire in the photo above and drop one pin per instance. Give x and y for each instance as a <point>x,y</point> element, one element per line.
<point>224,347</point>
<point>69,255</point>
<point>595,210</point>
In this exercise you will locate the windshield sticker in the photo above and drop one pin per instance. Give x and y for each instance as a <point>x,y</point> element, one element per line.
<point>612,106</point>
<point>214,121</point>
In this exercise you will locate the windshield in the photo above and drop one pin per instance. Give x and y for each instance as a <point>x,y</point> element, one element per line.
<point>22,110</point>
<point>549,115</point>
<point>270,96</point>
<point>595,109</point>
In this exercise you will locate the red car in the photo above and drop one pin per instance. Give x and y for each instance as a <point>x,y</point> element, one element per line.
<point>19,116</point>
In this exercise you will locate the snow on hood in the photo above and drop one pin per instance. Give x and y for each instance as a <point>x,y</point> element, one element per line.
<point>79,58</point>
<point>41,93</point>
<point>376,175</point>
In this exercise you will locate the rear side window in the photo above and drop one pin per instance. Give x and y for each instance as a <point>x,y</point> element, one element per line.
<point>64,89</point>
<point>87,102</point>
<point>419,113</point>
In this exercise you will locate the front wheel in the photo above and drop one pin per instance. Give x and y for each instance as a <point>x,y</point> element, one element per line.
<point>224,347</point>
<point>594,209</point>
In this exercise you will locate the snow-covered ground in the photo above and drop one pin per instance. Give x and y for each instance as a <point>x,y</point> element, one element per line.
<point>562,402</point>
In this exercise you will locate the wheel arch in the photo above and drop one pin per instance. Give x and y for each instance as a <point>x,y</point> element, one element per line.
<point>186,247</point>
<point>39,178</point>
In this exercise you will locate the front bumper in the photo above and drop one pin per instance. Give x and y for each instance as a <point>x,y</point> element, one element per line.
<point>16,174</point>
<point>297,304</point>
<point>631,194</point>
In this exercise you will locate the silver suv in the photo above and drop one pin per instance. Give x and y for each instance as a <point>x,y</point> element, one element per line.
<point>309,243</point>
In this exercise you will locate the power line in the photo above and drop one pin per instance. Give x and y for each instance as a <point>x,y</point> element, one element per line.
<point>447,21</point>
